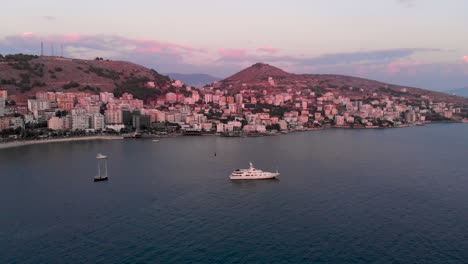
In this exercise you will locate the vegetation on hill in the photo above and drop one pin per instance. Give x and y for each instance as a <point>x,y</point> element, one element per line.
<point>137,87</point>
<point>106,73</point>
<point>28,74</point>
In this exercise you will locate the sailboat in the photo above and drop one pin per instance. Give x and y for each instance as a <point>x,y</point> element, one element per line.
<point>102,168</point>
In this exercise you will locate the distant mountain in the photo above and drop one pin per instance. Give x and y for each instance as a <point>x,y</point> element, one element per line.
<point>28,74</point>
<point>197,80</point>
<point>258,71</point>
<point>460,92</point>
<point>257,75</point>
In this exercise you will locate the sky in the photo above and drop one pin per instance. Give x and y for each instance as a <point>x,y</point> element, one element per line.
<point>421,43</point>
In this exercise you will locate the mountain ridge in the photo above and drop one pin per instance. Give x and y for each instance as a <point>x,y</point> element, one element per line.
<point>258,74</point>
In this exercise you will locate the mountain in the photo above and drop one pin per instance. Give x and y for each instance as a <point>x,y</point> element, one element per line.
<point>28,74</point>
<point>460,92</point>
<point>257,76</point>
<point>258,71</point>
<point>196,79</point>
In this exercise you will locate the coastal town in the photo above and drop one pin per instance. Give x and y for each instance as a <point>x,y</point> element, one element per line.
<point>182,109</point>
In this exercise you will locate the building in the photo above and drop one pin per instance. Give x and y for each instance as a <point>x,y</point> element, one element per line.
<point>171,98</point>
<point>208,98</point>
<point>3,94</point>
<point>339,120</point>
<point>4,123</point>
<point>97,122</point>
<point>2,106</point>
<point>141,121</point>
<point>80,121</point>
<point>113,117</point>
<point>16,122</point>
<point>35,105</point>
<point>106,97</point>
<point>55,123</point>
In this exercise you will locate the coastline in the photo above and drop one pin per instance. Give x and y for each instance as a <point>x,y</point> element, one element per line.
<point>15,144</point>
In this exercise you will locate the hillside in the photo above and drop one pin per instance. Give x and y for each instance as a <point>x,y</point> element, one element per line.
<point>256,76</point>
<point>196,79</point>
<point>460,92</point>
<point>28,74</point>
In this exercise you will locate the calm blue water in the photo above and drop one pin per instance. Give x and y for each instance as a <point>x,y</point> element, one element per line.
<point>345,196</point>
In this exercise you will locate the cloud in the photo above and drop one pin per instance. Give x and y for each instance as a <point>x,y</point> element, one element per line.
<point>160,55</point>
<point>268,49</point>
<point>48,18</point>
<point>358,57</point>
<point>465,58</point>
<point>228,53</point>
<point>78,44</point>
<point>364,56</point>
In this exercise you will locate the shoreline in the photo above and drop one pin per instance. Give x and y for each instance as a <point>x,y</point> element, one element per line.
<point>15,144</point>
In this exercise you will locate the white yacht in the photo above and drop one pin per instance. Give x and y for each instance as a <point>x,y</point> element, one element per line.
<point>252,174</point>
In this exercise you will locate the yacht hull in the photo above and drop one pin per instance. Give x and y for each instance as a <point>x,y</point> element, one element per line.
<point>257,177</point>
<point>100,179</point>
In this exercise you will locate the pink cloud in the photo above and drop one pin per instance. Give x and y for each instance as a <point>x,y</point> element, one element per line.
<point>268,49</point>
<point>232,53</point>
<point>401,66</point>
<point>115,43</point>
<point>465,58</point>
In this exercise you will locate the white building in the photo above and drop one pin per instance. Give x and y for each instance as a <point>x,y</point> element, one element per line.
<point>80,122</point>
<point>34,106</point>
<point>2,106</point>
<point>97,122</point>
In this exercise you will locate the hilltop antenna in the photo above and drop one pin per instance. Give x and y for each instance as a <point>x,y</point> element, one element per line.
<point>61,50</point>
<point>42,48</point>
<point>52,49</point>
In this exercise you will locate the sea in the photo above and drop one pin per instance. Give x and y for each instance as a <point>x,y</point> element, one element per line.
<point>343,196</point>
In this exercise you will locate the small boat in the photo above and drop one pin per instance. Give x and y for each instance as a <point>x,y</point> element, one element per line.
<point>102,168</point>
<point>155,140</point>
<point>252,174</point>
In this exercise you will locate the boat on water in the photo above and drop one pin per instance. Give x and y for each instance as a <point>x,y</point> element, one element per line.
<point>102,168</point>
<point>155,140</point>
<point>252,174</point>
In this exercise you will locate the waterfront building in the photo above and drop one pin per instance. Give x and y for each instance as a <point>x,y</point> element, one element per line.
<point>4,122</point>
<point>2,106</point>
<point>339,120</point>
<point>55,123</point>
<point>97,121</point>
<point>79,121</point>
<point>113,116</point>
<point>141,121</point>
<point>3,94</point>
